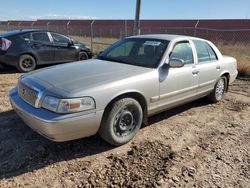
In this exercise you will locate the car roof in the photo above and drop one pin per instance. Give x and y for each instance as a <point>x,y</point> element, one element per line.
<point>17,32</point>
<point>168,37</point>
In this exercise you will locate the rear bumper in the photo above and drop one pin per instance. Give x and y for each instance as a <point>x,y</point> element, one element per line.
<point>7,59</point>
<point>233,76</point>
<point>54,126</point>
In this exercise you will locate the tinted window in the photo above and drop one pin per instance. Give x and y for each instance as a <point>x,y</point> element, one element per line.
<point>211,52</point>
<point>204,51</point>
<point>42,37</point>
<point>136,51</point>
<point>59,38</point>
<point>122,50</point>
<point>26,36</point>
<point>183,51</point>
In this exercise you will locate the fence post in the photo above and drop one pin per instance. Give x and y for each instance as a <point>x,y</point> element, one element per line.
<point>19,24</point>
<point>92,34</point>
<point>125,28</point>
<point>195,27</point>
<point>32,25</point>
<point>8,26</point>
<point>48,25</point>
<point>68,27</point>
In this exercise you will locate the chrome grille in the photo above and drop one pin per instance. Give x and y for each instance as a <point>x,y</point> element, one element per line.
<point>28,94</point>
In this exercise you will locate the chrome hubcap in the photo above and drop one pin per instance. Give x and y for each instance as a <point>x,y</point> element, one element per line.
<point>219,90</point>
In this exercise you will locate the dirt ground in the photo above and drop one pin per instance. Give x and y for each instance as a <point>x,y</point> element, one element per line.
<point>195,145</point>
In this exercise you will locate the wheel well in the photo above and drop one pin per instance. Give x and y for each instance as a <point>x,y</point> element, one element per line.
<point>227,75</point>
<point>137,96</point>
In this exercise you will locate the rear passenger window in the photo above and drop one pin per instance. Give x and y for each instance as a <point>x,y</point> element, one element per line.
<point>41,37</point>
<point>183,51</point>
<point>26,37</point>
<point>204,51</point>
<point>211,52</point>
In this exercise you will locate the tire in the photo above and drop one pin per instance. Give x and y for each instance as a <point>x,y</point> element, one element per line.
<point>26,63</point>
<point>121,122</point>
<point>219,90</point>
<point>82,56</point>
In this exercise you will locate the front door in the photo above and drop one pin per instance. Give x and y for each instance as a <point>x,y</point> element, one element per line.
<point>178,85</point>
<point>64,50</point>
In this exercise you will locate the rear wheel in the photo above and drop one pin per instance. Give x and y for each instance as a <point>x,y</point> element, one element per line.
<point>219,90</point>
<point>121,122</point>
<point>82,56</point>
<point>26,63</point>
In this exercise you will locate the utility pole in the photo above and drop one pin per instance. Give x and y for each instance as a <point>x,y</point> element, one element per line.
<point>137,18</point>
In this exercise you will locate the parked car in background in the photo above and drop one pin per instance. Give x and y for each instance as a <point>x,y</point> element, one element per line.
<point>115,93</point>
<point>25,49</point>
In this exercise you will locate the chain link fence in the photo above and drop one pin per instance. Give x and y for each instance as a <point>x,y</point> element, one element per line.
<point>99,34</point>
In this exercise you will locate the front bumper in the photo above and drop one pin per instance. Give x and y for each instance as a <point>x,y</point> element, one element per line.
<point>54,126</point>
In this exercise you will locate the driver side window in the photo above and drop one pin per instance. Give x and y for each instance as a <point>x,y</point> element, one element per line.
<point>59,38</point>
<point>183,50</point>
<point>123,50</point>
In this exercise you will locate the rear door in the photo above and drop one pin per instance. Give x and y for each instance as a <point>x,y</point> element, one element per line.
<point>43,47</point>
<point>65,51</point>
<point>208,65</point>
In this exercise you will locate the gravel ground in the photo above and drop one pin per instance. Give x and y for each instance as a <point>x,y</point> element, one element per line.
<point>195,145</point>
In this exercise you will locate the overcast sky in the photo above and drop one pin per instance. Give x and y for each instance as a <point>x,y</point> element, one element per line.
<point>124,9</point>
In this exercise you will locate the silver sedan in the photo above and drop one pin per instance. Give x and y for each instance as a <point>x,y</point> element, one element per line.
<point>117,91</point>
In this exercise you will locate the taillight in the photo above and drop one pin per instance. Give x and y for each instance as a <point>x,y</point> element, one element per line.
<point>4,44</point>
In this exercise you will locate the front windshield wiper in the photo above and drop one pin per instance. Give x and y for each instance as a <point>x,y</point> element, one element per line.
<point>104,58</point>
<point>112,59</point>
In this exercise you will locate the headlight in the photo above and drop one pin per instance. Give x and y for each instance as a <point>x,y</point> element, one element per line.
<point>68,105</point>
<point>51,103</point>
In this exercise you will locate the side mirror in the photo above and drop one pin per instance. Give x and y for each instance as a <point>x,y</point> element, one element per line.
<point>176,63</point>
<point>71,43</point>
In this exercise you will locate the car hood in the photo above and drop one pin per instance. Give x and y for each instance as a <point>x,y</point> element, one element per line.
<point>83,75</point>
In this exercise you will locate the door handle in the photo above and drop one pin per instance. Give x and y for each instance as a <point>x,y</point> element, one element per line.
<point>218,67</point>
<point>195,72</point>
<point>35,46</point>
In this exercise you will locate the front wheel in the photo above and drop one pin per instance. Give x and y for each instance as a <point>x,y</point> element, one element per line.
<point>82,56</point>
<point>219,90</point>
<point>26,63</point>
<point>121,123</point>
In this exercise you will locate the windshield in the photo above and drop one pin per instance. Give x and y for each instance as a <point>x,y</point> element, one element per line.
<point>136,51</point>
